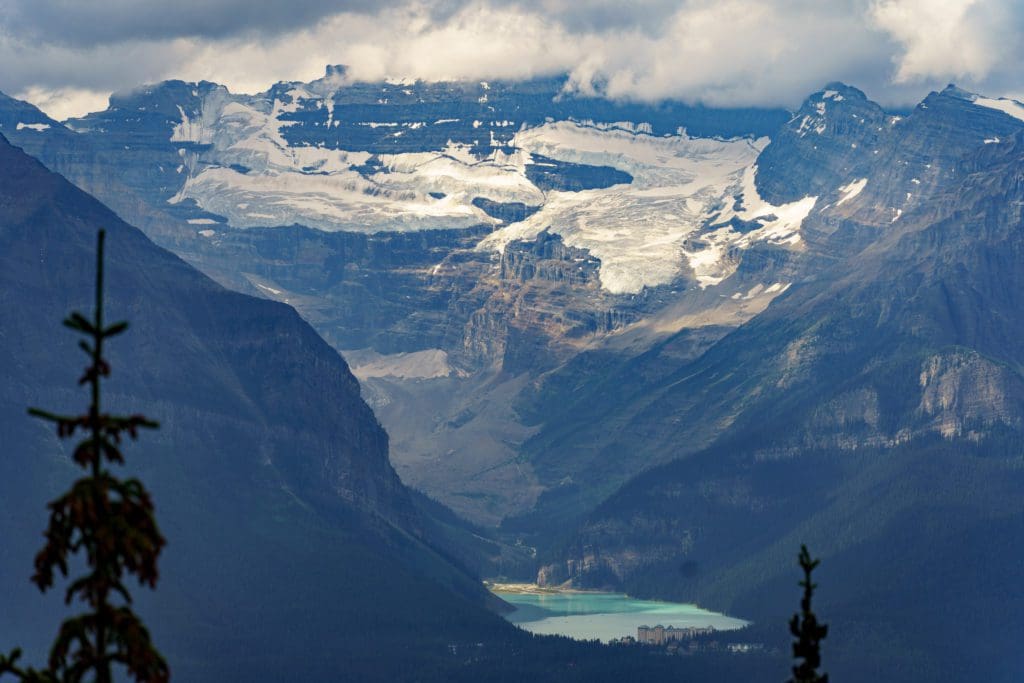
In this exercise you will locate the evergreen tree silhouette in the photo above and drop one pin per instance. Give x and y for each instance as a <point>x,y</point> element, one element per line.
<point>805,628</point>
<point>108,519</point>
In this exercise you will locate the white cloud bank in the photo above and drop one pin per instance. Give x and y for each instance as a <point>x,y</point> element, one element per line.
<point>953,39</point>
<point>719,52</point>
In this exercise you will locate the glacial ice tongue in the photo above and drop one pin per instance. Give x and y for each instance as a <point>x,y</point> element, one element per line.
<point>646,233</point>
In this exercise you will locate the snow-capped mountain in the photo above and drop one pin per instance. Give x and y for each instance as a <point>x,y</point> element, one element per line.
<point>414,156</point>
<point>482,228</point>
<point>873,412</point>
<point>812,317</point>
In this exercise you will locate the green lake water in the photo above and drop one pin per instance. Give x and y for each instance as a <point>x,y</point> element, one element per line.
<point>603,616</point>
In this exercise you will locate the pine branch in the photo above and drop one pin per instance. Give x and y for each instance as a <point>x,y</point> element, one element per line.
<point>109,519</point>
<point>805,628</point>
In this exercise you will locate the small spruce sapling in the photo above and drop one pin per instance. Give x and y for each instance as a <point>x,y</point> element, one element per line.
<point>805,628</point>
<point>108,519</point>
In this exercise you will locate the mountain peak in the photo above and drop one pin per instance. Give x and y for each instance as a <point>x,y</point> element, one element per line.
<point>954,91</point>
<point>336,71</point>
<point>974,110</point>
<point>833,136</point>
<point>819,106</point>
<point>173,89</point>
<point>817,115</point>
<point>838,91</point>
<point>16,115</point>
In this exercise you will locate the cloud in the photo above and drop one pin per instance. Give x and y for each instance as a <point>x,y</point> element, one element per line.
<point>91,23</point>
<point>953,39</point>
<point>64,103</point>
<point>717,52</point>
<point>730,52</point>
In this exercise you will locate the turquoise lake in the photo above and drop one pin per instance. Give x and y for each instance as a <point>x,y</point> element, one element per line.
<point>601,616</point>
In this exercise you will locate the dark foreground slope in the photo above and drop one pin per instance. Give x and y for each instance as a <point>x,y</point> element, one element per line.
<point>294,552</point>
<point>877,415</point>
<point>270,473</point>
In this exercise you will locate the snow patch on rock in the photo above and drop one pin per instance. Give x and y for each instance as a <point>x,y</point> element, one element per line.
<point>1009,107</point>
<point>851,190</point>
<point>425,364</point>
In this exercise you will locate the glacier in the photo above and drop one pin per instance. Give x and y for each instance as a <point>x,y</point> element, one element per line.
<point>673,219</point>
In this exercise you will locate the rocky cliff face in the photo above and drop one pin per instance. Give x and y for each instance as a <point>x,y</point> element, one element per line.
<point>270,473</point>
<point>346,461</point>
<point>782,331</point>
<point>900,265</point>
<point>367,163</point>
<point>532,242</point>
<point>495,223</point>
<point>873,411</point>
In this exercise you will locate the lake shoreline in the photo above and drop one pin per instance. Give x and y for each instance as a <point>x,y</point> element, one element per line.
<point>599,615</point>
<point>533,589</point>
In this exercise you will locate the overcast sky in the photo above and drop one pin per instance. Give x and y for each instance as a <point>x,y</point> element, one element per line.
<point>68,55</point>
